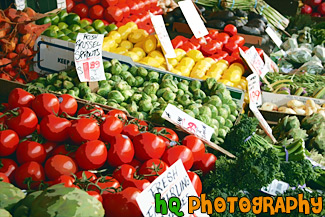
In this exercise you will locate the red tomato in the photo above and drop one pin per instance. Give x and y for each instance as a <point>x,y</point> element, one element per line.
<point>230,59</point>
<point>81,9</point>
<point>70,5</point>
<point>111,127</point>
<point>213,34</point>
<point>211,48</point>
<point>122,203</point>
<point>187,46</point>
<point>125,8</point>
<point>147,146</point>
<point>195,145</point>
<point>178,41</point>
<point>196,182</point>
<point>4,178</point>
<point>83,130</point>
<point>237,39</point>
<point>24,123</point>
<point>315,14</point>
<point>205,163</point>
<point>109,3</point>
<point>32,170</point>
<point>64,150</point>
<point>124,172</point>
<point>67,180</point>
<point>140,184</point>
<point>208,38</point>
<point>147,5</point>
<point>45,104</point>
<point>321,9</point>
<point>96,12</point>
<point>68,105</point>
<point>230,30</point>
<point>54,128</point>
<point>244,48</point>
<point>153,168</point>
<point>223,37</point>
<point>196,43</point>
<point>91,155</point>
<point>134,8</point>
<point>219,55</point>
<point>8,142</point>
<point>113,14</point>
<point>140,5</point>
<point>20,98</point>
<point>49,146</point>
<point>306,9</point>
<point>5,76</point>
<point>199,41</point>
<point>230,47</point>
<point>91,110</point>
<point>119,114</point>
<point>130,130</point>
<point>260,52</point>
<point>8,167</point>
<point>169,133</point>
<point>135,163</point>
<point>179,152</point>
<point>30,151</point>
<point>121,151</point>
<point>86,175</point>
<point>107,183</point>
<point>95,195</point>
<point>92,2</point>
<point>59,165</point>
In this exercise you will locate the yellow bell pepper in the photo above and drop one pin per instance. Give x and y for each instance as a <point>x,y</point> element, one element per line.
<point>134,56</point>
<point>132,25</point>
<point>234,73</point>
<point>150,61</point>
<point>226,82</point>
<point>114,35</point>
<point>179,54</point>
<point>139,51</point>
<point>120,50</point>
<point>172,61</point>
<point>128,45</point>
<point>175,71</point>
<point>137,35</point>
<point>124,31</point>
<point>196,55</point>
<point>150,44</point>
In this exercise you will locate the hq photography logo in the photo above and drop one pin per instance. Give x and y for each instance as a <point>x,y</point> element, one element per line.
<point>258,205</point>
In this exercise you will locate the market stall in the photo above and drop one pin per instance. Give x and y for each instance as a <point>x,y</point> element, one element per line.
<point>153,108</point>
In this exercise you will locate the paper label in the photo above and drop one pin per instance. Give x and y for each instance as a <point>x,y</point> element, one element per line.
<point>160,29</point>
<point>186,121</point>
<point>193,18</point>
<point>254,58</point>
<point>276,187</point>
<point>20,4</point>
<point>61,4</point>
<point>88,57</point>
<point>254,90</point>
<point>275,38</point>
<point>174,182</point>
<point>270,65</point>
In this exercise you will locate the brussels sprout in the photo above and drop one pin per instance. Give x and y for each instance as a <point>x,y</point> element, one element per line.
<point>51,88</point>
<point>67,85</point>
<point>198,101</point>
<point>180,92</point>
<point>102,83</point>
<point>107,66</point>
<point>125,67</point>
<point>142,72</point>
<point>122,85</point>
<point>84,91</point>
<point>233,106</point>
<point>145,105</point>
<point>116,69</point>
<point>108,76</point>
<point>104,90</point>
<point>155,105</point>
<point>153,76</point>
<point>136,97</point>
<point>127,94</point>
<point>182,85</point>
<point>169,96</point>
<point>63,76</point>
<point>76,90</point>
<point>122,108</point>
<point>161,101</point>
<point>146,97</point>
<point>221,121</point>
<point>194,85</point>
<point>227,108</point>
<point>222,133</point>
<point>232,118</point>
<point>125,74</point>
<point>116,95</point>
<point>151,88</point>
<point>156,116</point>
<point>153,97</point>
<point>82,85</point>
<point>113,104</point>
<point>215,100</point>
<point>161,91</point>
<point>111,82</point>
<point>138,115</point>
<point>204,118</point>
<point>223,112</point>
<point>100,100</point>
<point>63,91</point>
<point>131,81</point>
<point>90,97</point>
<point>184,100</point>
<point>123,104</point>
<point>169,83</point>
<point>205,110</point>
<point>138,81</point>
<point>209,83</point>
<point>51,78</point>
<point>133,70</point>
<point>199,94</point>
<point>145,115</point>
<point>167,76</point>
<point>57,84</point>
<point>206,99</point>
<point>227,129</point>
<point>235,113</point>
<point>190,113</point>
<point>140,89</point>
<point>132,107</point>
<point>224,95</point>
<point>214,110</point>
<point>189,93</point>
<point>215,123</point>
<point>180,107</point>
<point>116,78</point>
<point>229,123</point>
<point>194,108</point>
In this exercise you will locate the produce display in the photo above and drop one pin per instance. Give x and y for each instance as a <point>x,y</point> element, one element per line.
<point>145,94</point>
<point>93,148</point>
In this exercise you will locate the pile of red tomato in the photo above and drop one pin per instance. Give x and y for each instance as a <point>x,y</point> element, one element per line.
<point>119,12</point>
<point>315,8</point>
<point>46,140</point>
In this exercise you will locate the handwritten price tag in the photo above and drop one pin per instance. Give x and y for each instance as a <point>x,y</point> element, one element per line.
<point>160,29</point>
<point>277,40</point>
<point>256,61</point>
<point>88,57</point>
<point>269,64</point>
<point>20,4</point>
<point>184,120</point>
<point>254,90</point>
<point>193,18</point>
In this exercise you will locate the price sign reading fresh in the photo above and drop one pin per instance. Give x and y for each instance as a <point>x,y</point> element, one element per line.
<point>88,57</point>
<point>277,40</point>
<point>193,18</point>
<point>160,29</point>
<point>254,90</point>
<point>187,122</point>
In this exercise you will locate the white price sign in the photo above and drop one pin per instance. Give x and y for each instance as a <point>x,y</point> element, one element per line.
<point>20,4</point>
<point>269,64</point>
<point>254,90</point>
<point>88,57</point>
<point>160,29</point>
<point>193,18</point>
<point>276,187</point>
<point>277,40</point>
<point>186,121</point>
<point>254,58</point>
<point>174,182</point>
